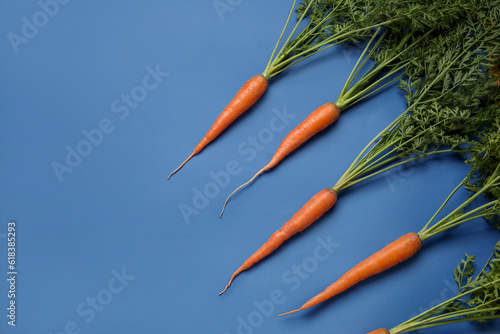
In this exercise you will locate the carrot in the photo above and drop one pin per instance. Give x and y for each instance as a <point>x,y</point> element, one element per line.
<point>317,121</point>
<point>320,203</point>
<point>380,331</point>
<point>246,97</point>
<point>392,254</point>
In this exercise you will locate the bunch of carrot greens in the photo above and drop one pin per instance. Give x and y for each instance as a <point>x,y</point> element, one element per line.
<point>331,22</point>
<point>477,299</point>
<point>445,80</point>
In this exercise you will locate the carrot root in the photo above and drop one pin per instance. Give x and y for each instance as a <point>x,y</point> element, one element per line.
<point>289,312</point>
<point>227,285</point>
<point>204,142</point>
<point>240,269</point>
<point>392,254</point>
<point>175,170</point>
<point>266,167</point>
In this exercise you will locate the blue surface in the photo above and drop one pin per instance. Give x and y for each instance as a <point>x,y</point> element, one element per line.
<point>105,248</point>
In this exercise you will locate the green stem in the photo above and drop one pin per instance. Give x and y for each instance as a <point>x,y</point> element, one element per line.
<point>296,26</point>
<point>280,69</point>
<point>357,68</point>
<point>279,40</point>
<point>454,321</point>
<point>361,90</point>
<point>369,147</point>
<point>338,38</point>
<point>445,224</point>
<point>444,203</point>
<point>351,183</point>
<point>370,90</point>
<point>441,225</point>
<point>268,70</point>
<point>363,170</point>
<point>310,34</point>
<point>367,164</point>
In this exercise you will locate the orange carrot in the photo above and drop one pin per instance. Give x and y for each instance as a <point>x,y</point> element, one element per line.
<point>246,97</point>
<point>318,120</point>
<point>320,203</point>
<point>380,331</point>
<point>392,254</point>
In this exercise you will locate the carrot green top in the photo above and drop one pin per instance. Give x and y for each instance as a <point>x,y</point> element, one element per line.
<point>331,22</point>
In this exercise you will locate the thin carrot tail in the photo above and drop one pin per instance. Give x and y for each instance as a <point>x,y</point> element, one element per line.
<point>311,302</point>
<point>204,142</point>
<point>290,312</point>
<point>265,168</point>
<point>267,248</point>
<point>229,283</point>
<point>175,170</point>
<point>247,264</point>
<point>392,254</point>
<point>380,331</point>
<point>227,286</point>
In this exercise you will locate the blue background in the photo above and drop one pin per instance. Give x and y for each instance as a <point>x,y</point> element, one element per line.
<point>115,211</point>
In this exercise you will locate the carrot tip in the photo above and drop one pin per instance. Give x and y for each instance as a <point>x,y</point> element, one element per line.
<point>289,312</point>
<point>190,156</point>
<point>231,194</point>
<point>244,184</point>
<point>228,285</point>
<point>224,207</point>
